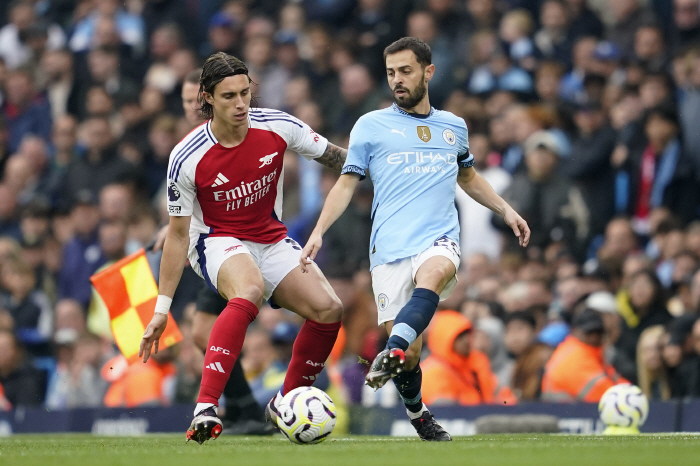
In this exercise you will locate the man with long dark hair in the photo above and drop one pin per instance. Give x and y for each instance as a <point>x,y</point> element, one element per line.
<point>224,200</point>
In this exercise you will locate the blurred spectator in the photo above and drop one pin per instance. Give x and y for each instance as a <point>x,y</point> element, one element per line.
<point>628,16</point>
<point>149,384</point>
<point>553,40</point>
<point>422,24</point>
<point>129,27</point>
<point>553,208</point>
<point>100,165</point>
<point>9,225</point>
<point>25,111</point>
<point>22,384</point>
<point>477,234</point>
<point>686,23</point>
<point>577,370</point>
<point>583,21</point>
<point>61,83</point>
<point>82,255</point>
<point>655,169</point>
<point>76,382</point>
<point>488,338</point>
<point>14,47</point>
<point>30,308</point>
<point>589,164</point>
<point>652,374</point>
<point>358,96</point>
<point>454,373</point>
<point>643,308</point>
<point>530,356</point>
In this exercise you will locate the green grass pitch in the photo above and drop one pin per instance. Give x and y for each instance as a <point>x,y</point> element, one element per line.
<point>492,450</point>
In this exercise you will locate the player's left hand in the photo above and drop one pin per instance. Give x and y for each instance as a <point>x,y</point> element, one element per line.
<point>308,254</point>
<point>519,226</point>
<point>152,335</point>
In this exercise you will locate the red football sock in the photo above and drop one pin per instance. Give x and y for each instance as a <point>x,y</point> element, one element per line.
<point>311,349</point>
<point>225,343</point>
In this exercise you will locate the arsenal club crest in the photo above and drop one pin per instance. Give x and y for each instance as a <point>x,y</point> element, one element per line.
<point>423,133</point>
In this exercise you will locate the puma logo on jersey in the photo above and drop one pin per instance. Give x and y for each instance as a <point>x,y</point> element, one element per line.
<point>220,179</point>
<point>216,366</point>
<point>399,132</point>
<point>267,160</point>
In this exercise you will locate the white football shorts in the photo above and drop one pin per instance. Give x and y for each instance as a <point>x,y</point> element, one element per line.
<point>274,260</point>
<point>393,283</point>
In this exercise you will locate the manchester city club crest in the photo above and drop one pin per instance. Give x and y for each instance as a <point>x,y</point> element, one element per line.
<point>423,133</point>
<point>382,301</point>
<point>449,137</point>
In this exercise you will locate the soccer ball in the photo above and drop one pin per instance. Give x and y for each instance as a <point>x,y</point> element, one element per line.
<point>306,415</point>
<point>623,408</point>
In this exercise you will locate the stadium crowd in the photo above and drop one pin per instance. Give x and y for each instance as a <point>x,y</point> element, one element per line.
<point>583,114</point>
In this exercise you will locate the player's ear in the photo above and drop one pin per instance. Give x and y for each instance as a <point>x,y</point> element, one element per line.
<point>429,72</point>
<point>208,98</point>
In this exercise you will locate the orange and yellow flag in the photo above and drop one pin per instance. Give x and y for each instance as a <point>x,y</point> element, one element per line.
<point>129,291</point>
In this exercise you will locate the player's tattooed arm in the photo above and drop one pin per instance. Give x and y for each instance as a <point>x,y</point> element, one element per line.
<point>333,157</point>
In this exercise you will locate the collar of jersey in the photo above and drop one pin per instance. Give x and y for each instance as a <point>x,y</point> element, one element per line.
<point>398,109</point>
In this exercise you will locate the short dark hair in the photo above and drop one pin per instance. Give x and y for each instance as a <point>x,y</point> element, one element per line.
<point>420,49</point>
<point>193,76</point>
<point>217,67</point>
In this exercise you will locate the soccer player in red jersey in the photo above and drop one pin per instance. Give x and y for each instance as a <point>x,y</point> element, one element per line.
<point>224,200</point>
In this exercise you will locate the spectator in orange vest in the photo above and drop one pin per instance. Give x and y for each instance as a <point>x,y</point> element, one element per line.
<point>454,373</point>
<point>577,371</point>
<point>138,384</point>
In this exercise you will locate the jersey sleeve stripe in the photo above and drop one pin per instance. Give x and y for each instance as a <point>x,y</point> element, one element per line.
<point>260,119</point>
<point>208,130</point>
<point>184,150</point>
<point>182,160</point>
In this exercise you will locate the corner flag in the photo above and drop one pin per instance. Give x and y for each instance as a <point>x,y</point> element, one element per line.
<point>129,291</point>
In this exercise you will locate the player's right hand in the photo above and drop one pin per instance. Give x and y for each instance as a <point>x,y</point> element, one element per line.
<point>308,254</point>
<point>152,335</point>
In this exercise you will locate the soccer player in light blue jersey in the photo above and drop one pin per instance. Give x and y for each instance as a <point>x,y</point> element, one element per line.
<point>414,155</point>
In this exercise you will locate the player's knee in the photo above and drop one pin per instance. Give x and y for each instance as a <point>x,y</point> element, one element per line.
<point>437,277</point>
<point>253,293</point>
<point>331,312</point>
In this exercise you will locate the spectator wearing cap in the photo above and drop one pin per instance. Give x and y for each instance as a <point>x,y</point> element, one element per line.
<point>81,255</point>
<point>454,373</point>
<point>656,173</point>
<point>643,307</point>
<point>223,34</point>
<point>577,370</point>
<point>554,209</point>
<point>529,354</point>
<point>589,163</point>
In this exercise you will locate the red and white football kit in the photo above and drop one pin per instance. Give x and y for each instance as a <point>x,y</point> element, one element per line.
<point>234,195</point>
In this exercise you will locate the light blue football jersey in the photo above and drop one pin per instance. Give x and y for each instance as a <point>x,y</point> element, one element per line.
<point>413,162</point>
